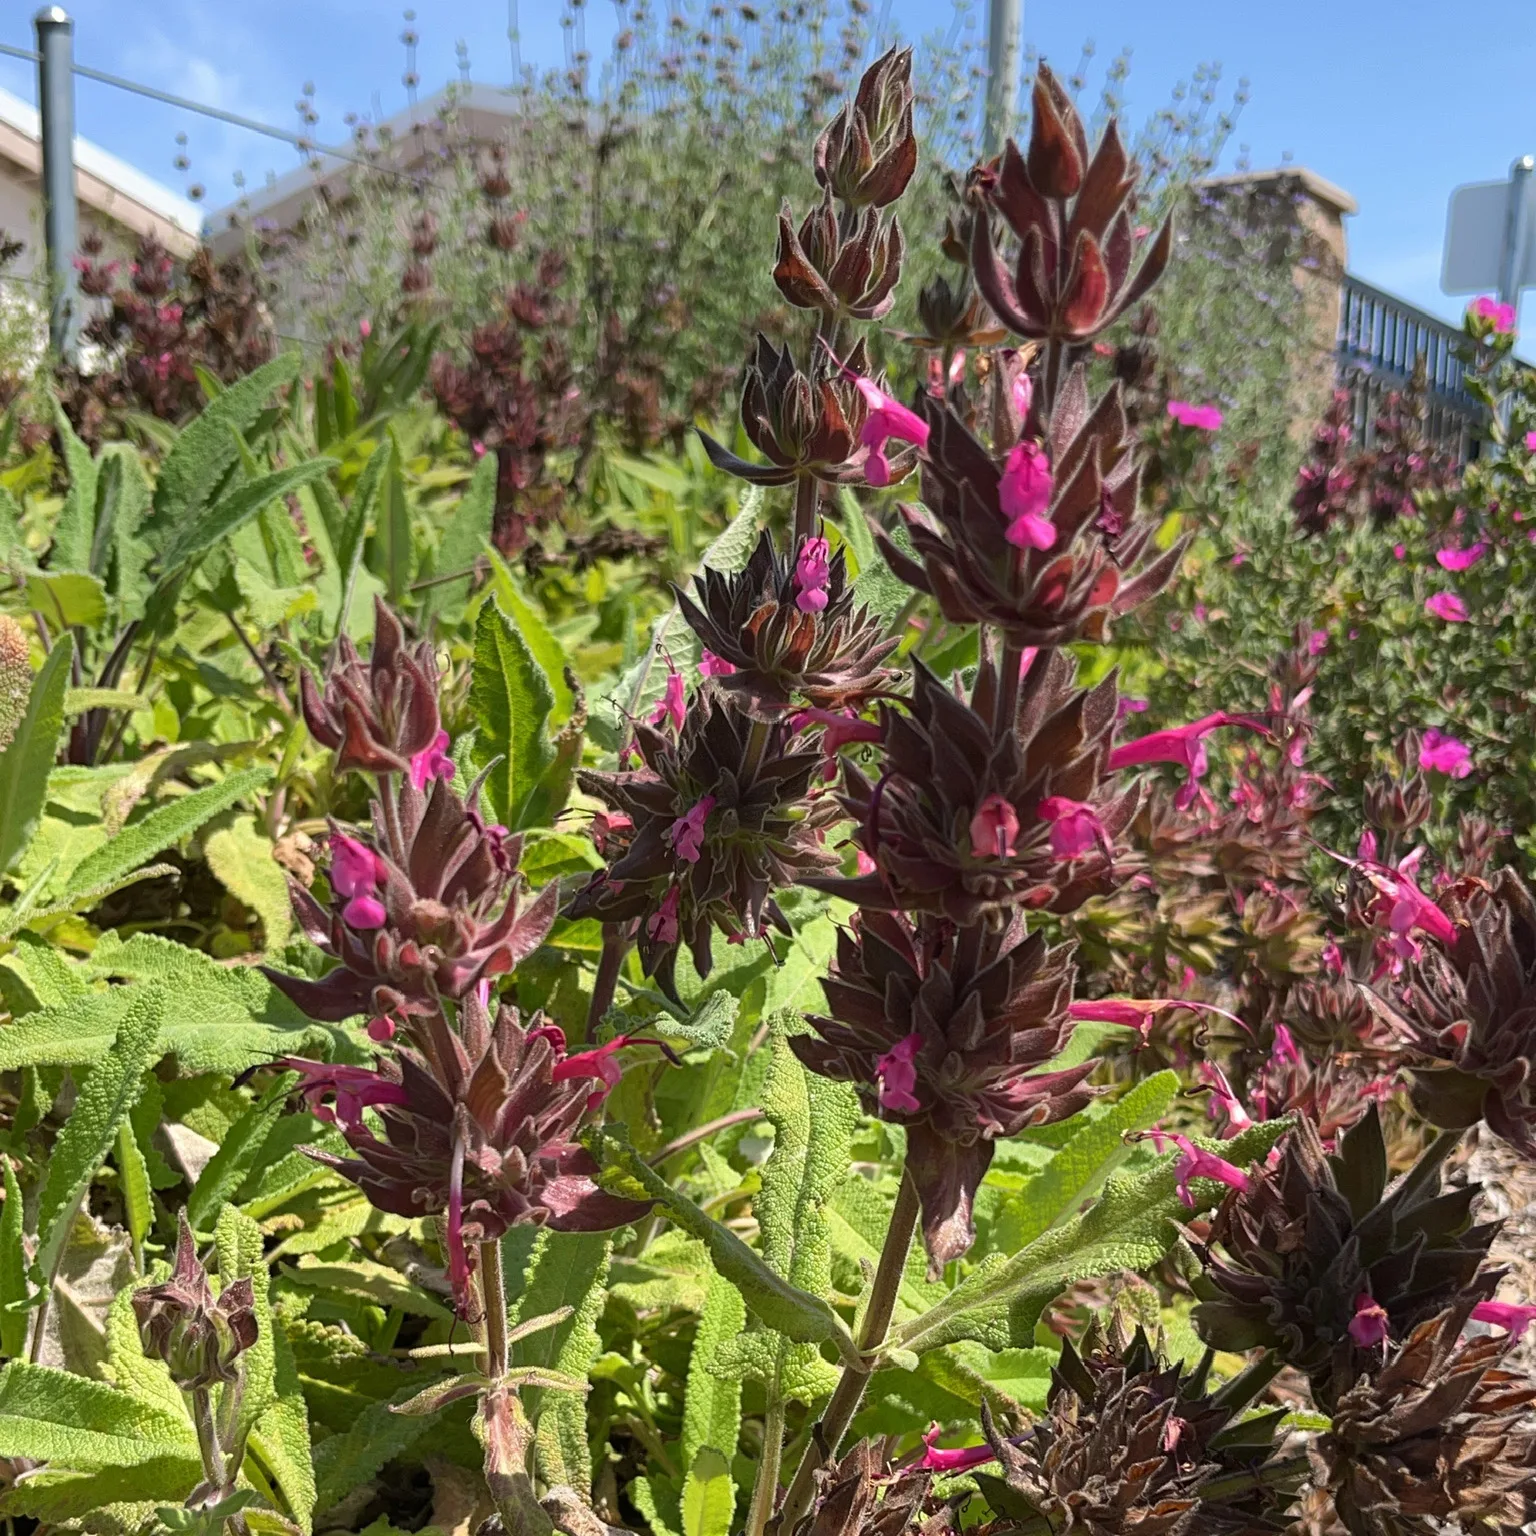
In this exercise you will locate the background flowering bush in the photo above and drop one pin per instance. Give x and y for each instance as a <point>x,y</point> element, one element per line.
<point>956,955</point>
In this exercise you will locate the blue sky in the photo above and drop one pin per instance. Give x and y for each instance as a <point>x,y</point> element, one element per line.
<point>1395,100</point>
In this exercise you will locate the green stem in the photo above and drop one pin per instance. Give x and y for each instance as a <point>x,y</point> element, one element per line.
<point>849,1392</point>
<point>493,1300</point>
<point>766,1488</point>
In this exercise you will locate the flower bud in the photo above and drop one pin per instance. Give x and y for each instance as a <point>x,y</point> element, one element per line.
<point>181,1323</point>
<point>868,152</point>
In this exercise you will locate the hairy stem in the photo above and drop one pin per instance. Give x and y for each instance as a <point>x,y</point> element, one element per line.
<point>828,1433</point>
<point>765,1489</point>
<point>703,1132</point>
<point>807,501</point>
<point>617,937</point>
<point>1007,706</point>
<point>493,1299</point>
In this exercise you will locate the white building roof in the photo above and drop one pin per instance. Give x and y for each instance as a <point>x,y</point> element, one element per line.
<point>95,164</point>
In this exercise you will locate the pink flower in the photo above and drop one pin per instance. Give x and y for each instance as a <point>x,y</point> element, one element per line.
<point>1444,754</point>
<point>1368,1327</point>
<point>1451,559</point>
<point>839,728</point>
<point>1182,744</point>
<point>365,329</point>
<point>356,870</point>
<point>1206,417</point>
<point>1075,827</point>
<point>812,572</point>
<point>1447,606</point>
<point>1024,494</point>
<point>711,665</point>
<point>863,863</point>
<point>687,832</point>
<point>1023,391</point>
<point>1284,1049</point>
<point>937,1459</point>
<point>381,1030</point>
<point>1501,316</point>
<point>673,704</point>
<point>896,1076</point>
<point>1224,1101</point>
<point>1530,441</point>
<point>1404,909</point>
<point>432,762</point>
<point>477,448</point>
<point>994,829</point>
<point>1513,1315</point>
<point>1399,552</point>
<point>936,376</point>
<point>1196,1163</point>
<point>887,418</point>
<point>1130,706</point>
<point>1333,958</point>
<point>1141,232</point>
<point>352,1089</point>
<point>1317,642</point>
<point>364,913</point>
<point>661,925</point>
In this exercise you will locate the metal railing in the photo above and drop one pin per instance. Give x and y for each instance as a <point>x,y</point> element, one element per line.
<point>1381,339</point>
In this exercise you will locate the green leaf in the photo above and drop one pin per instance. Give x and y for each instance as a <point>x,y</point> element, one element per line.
<point>537,635</point>
<point>709,1495</point>
<point>138,1207</point>
<point>226,1018</point>
<point>462,543</point>
<point>511,700</point>
<point>813,1120</point>
<point>1059,1189</point>
<point>14,1291</point>
<point>377,1284</point>
<point>101,1107</point>
<point>67,598</point>
<point>1131,1226</point>
<point>163,827</point>
<point>239,1153</point>
<point>208,446</point>
<point>346,1461</point>
<point>876,586</point>
<point>391,560</point>
<point>117,1499</point>
<point>566,1269</point>
<point>230,513</point>
<point>799,1316</point>
<point>86,1426</point>
<point>77,519</point>
<point>712,1403</point>
<point>280,1437</point>
<point>25,762</point>
<point>240,854</point>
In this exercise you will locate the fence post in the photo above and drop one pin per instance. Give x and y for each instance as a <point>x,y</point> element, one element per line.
<point>56,108</point>
<point>1005,29</point>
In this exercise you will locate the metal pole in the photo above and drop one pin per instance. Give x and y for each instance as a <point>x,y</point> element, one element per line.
<point>1005,29</point>
<point>56,107</point>
<point>1516,230</point>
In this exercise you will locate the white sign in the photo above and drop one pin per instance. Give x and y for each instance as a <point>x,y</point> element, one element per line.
<point>1477,226</point>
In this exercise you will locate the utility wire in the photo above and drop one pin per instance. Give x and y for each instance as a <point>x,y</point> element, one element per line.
<point>298,140</point>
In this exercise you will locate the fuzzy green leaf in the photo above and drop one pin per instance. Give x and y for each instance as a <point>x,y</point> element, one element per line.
<point>566,1269</point>
<point>712,1404</point>
<point>101,1107</point>
<point>73,532</point>
<point>462,543</point>
<point>208,446</point>
<point>347,1460</point>
<point>813,1121</point>
<point>164,826</point>
<point>240,854</point>
<point>798,1315</point>
<point>239,1153</point>
<point>25,762</point>
<point>709,1495</point>
<point>14,1291</point>
<point>1130,1226</point>
<point>86,1426</point>
<point>511,700</point>
<point>1058,1190</point>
